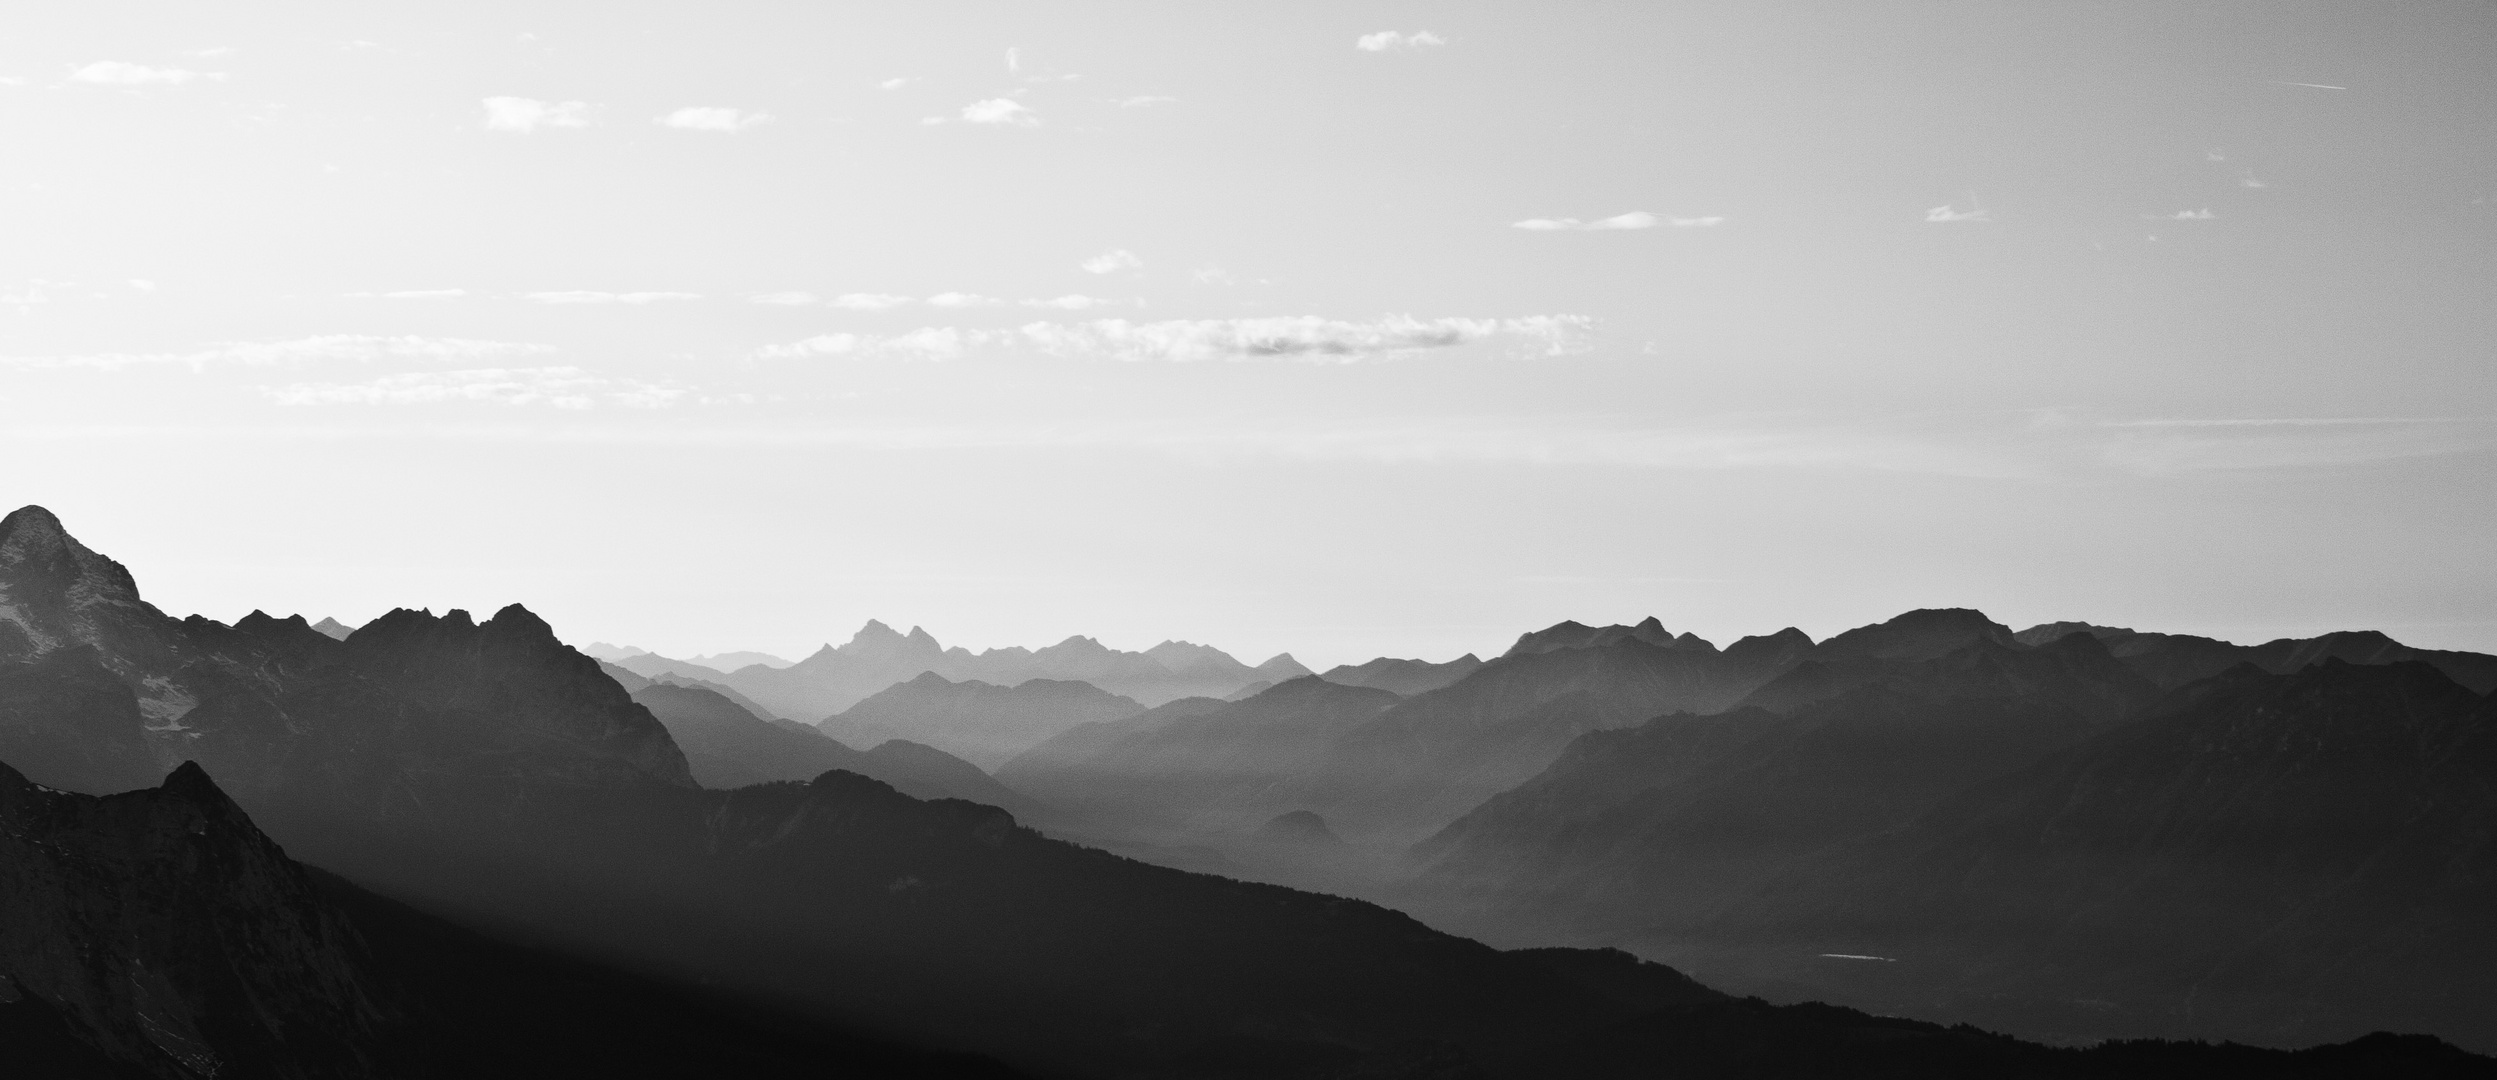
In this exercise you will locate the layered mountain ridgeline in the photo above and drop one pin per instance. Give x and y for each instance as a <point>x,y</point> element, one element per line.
<point>1406,677</point>
<point>2275,857</point>
<point>1382,766</point>
<point>1796,843</point>
<point>157,934</point>
<point>727,746</point>
<point>836,678</point>
<point>1647,830</point>
<point>983,723</point>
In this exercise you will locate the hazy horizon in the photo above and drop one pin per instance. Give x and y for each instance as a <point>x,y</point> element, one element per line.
<point>1377,329</point>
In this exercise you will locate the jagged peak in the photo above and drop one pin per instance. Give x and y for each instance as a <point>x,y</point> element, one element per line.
<point>191,783</point>
<point>34,544</point>
<point>515,619</point>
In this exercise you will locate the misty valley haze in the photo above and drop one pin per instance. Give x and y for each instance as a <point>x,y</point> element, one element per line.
<point>1347,541</point>
<point>269,848</point>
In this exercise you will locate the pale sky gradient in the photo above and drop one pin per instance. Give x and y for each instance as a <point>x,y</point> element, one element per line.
<point>1341,329</point>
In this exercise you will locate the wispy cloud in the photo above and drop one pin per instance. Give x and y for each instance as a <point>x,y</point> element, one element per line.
<point>120,73</point>
<point>556,387</point>
<point>711,118</point>
<point>1636,219</point>
<point>1392,41</point>
<point>2248,180</point>
<point>895,83</point>
<point>1109,262</point>
<point>587,296</point>
<point>925,343</point>
<point>1305,337</point>
<point>999,111</point>
<point>2309,85</point>
<point>859,301</point>
<point>2181,447</point>
<point>1142,100</point>
<point>792,298</point>
<point>142,285</point>
<point>2203,214</point>
<point>1070,302</point>
<point>964,300</point>
<point>1945,215</point>
<point>410,294</point>
<point>331,348</point>
<point>524,115</point>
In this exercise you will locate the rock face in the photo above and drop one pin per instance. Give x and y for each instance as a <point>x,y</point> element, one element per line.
<point>171,938</point>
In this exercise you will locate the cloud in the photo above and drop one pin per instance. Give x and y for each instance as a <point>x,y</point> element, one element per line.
<point>2203,214</point>
<point>1070,302</point>
<point>859,301</point>
<point>556,387</point>
<point>1210,274</point>
<point>352,348</point>
<point>1113,261</point>
<point>142,284</point>
<point>928,343</point>
<point>791,298</point>
<point>118,73</point>
<point>411,294</point>
<point>1636,219</point>
<point>707,118</point>
<point>1014,60</point>
<point>963,300</point>
<point>1306,337</point>
<point>525,115</point>
<point>2173,447</point>
<point>1390,41</point>
<point>220,50</point>
<point>587,296</point>
<point>1945,215</point>
<point>1142,100</point>
<point>2248,180</point>
<point>999,111</point>
<point>895,84</point>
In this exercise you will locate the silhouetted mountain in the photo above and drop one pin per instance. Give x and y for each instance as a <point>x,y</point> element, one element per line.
<point>1406,677</point>
<point>1298,827</point>
<point>1641,833</point>
<point>1251,690</point>
<point>333,628</point>
<point>835,679</point>
<point>980,722</point>
<point>2173,660</point>
<point>731,661</point>
<point>160,933</point>
<point>728,746</point>
<point>2283,857</point>
<point>1409,766</point>
<point>1220,767</point>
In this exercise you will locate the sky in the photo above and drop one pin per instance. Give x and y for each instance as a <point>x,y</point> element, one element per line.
<point>1347,330</point>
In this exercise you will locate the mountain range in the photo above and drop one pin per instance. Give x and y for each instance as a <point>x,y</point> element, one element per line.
<point>981,722</point>
<point>523,872</point>
<point>834,678</point>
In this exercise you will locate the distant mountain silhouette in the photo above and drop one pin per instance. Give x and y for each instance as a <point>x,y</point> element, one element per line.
<point>487,771</point>
<point>2177,659</point>
<point>1406,677</point>
<point>980,722</point>
<point>727,746</point>
<point>1298,827</point>
<point>333,628</point>
<point>834,679</point>
<point>1646,830</point>
<point>2281,857</point>
<point>1219,766</point>
<point>1382,765</point>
